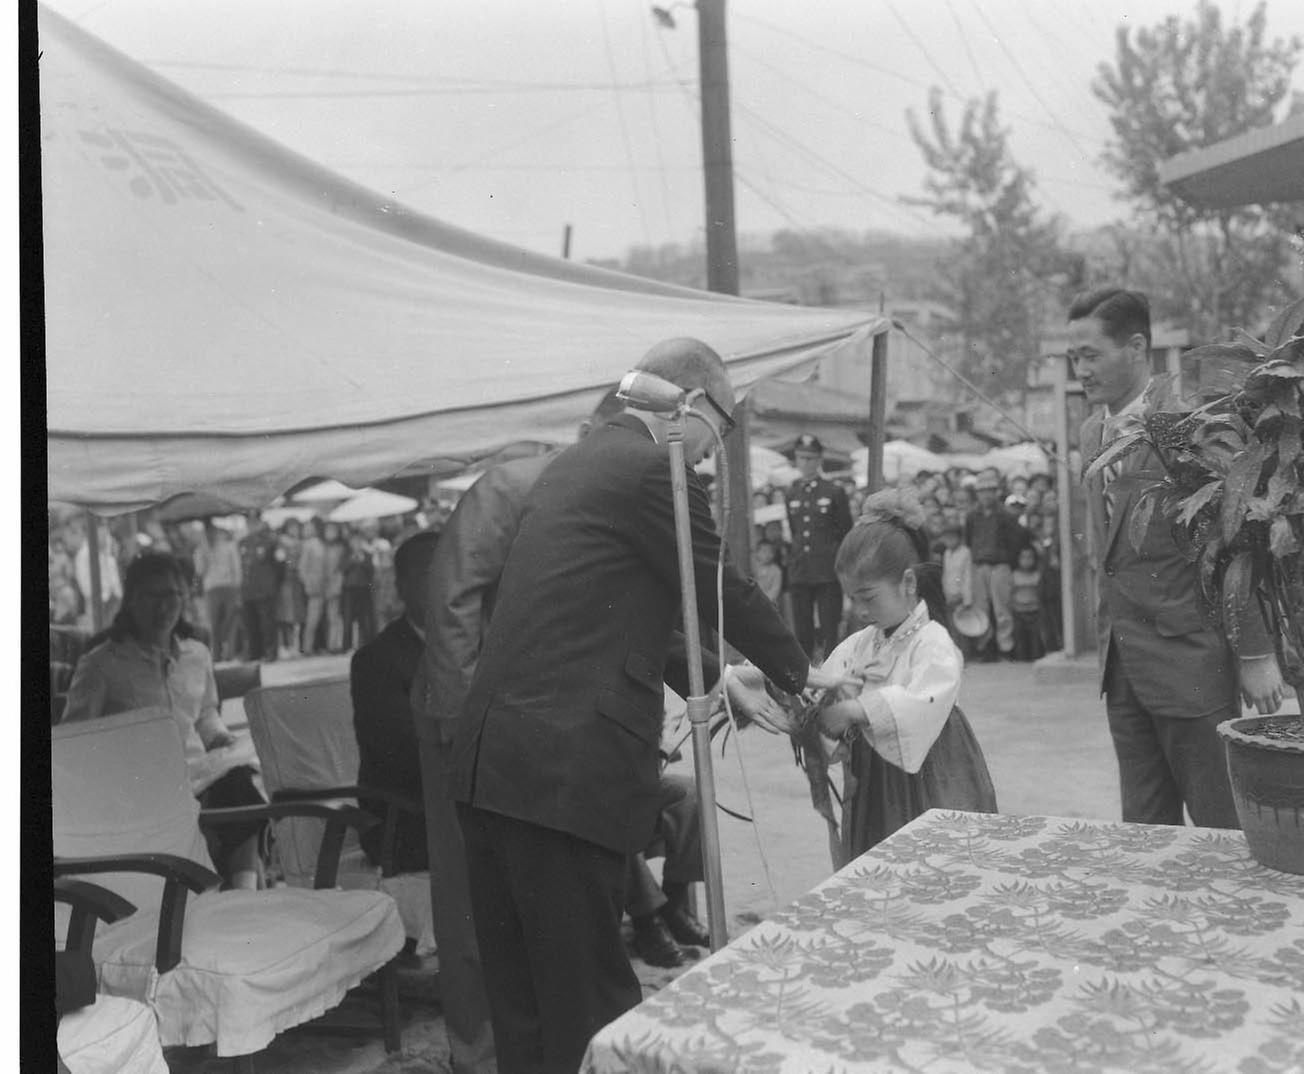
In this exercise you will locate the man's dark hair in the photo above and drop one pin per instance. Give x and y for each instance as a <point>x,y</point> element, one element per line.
<point>608,407</point>
<point>1122,314</point>
<point>416,552</point>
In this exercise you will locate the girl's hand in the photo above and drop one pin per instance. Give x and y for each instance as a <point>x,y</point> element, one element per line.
<point>842,716</point>
<point>823,679</point>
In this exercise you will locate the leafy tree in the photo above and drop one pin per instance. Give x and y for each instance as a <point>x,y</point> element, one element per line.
<point>1009,271</point>
<point>1181,85</point>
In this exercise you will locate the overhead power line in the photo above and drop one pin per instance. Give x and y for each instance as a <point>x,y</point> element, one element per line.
<point>928,56</point>
<point>964,40</point>
<point>624,129</point>
<point>1018,69</point>
<point>854,113</point>
<point>811,155</point>
<point>442,91</point>
<point>860,61</point>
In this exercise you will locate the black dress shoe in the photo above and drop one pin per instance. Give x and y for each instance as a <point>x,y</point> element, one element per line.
<point>684,927</point>
<point>654,944</point>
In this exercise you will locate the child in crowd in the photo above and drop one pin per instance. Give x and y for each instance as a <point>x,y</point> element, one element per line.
<point>1025,603</point>
<point>957,577</point>
<point>1046,539</point>
<point>905,744</point>
<point>767,572</point>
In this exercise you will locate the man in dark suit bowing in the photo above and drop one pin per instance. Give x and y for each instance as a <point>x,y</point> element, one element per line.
<point>1168,676</point>
<point>555,762</point>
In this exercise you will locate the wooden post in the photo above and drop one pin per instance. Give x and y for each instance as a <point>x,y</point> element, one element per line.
<point>877,411</point>
<point>738,528</point>
<point>717,148</point>
<point>96,594</point>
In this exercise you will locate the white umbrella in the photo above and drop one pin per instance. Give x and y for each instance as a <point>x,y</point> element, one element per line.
<point>901,461</point>
<point>1019,460</point>
<point>768,467</point>
<point>372,503</point>
<point>325,491</point>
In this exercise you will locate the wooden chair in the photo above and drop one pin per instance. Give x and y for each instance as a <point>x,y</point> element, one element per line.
<point>307,751</point>
<point>228,968</point>
<point>113,1035</point>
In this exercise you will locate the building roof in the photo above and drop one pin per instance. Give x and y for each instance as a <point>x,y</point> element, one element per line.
<point>1258,167</point>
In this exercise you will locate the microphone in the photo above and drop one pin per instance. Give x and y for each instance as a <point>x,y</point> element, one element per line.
<point>647,391</point>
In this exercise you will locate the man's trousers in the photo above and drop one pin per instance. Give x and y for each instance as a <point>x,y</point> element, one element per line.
<point>993,586</point>
<point>466,1009</point>
<point>1165,762</point>
<point>548,907</point>
<point>807,599</point>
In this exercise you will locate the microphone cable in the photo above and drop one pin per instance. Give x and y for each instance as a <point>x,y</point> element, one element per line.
<point>726,508</point>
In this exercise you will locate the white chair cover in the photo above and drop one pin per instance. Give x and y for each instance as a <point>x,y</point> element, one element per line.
<point>253,963</point>
<point>305,738</point>
<point>112,1036</point>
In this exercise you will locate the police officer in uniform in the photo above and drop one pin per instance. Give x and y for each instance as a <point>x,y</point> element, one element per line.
<point>262,562</point>
<point>819,517</point>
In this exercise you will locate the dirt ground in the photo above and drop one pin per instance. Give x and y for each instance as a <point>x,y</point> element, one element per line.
<point>1046,743</point>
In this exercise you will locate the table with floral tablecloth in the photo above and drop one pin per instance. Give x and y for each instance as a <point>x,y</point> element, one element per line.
<point>1000,943</point>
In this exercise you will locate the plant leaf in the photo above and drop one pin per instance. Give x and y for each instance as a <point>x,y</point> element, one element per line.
<point>1205,494</point>
<point>1138,519</point>
<point>1242,338</point>
<point>1274,367</point>
<point>1285,325</point>
<point>1237,584</point>
<point>1281,537</point>
<point>1115,451</point>
<point>1242,480</point>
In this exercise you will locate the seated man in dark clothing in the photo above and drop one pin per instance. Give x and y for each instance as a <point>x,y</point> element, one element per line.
<point>661,914</point>
<point>380,680</point>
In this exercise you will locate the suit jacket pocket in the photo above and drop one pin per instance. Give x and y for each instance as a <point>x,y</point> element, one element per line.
<point>645,671</point>
<point>637,721</point>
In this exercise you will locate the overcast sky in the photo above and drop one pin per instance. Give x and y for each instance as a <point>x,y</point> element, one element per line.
<point>515,117</point>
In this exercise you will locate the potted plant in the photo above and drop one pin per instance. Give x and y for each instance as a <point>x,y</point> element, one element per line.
<point>1233,486</point>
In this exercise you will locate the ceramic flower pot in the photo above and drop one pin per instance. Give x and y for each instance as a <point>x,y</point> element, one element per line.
<point>1265,758</point>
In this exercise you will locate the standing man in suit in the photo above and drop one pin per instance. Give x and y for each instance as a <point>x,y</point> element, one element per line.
<point>1168,676</point>
<point>555,760</point>
<point>819,516</point>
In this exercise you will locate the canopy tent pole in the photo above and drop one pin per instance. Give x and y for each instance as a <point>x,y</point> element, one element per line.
<point>93,557</point>
<point>877,412</point>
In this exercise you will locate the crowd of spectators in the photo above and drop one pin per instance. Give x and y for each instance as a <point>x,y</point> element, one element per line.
<point>1027,595</point>
<point>253,591</point>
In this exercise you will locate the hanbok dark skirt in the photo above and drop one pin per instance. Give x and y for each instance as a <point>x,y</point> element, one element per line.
<point>879,797</point>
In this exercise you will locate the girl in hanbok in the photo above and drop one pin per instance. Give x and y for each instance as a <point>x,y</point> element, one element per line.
<point>905,745</point>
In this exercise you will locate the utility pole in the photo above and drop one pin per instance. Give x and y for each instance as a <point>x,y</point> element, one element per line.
<point>717,148</point>
<point>565,243</point>
<point>877,407</point>
<point>722,245</point>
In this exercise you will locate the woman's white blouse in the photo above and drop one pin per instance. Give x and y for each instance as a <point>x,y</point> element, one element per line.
<point>912,680</point>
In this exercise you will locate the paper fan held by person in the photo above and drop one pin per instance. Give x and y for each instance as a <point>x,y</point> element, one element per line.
<point>905,745</point>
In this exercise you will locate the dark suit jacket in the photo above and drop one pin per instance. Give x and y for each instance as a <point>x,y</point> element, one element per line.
<point>380,680</point>
<point>1151,607</point>
<point>562,720</point>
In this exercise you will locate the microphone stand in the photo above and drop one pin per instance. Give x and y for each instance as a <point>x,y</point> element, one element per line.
<point>699,705</point>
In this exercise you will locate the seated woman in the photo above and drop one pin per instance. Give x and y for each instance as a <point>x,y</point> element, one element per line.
<point>152,658</point>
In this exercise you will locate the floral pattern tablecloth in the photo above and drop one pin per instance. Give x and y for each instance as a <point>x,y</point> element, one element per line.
<point>1000,943</point>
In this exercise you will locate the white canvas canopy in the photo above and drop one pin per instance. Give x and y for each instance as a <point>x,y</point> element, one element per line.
<point>223,315</point>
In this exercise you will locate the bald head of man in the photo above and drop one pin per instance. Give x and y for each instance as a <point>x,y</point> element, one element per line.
<point>691,364</point>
